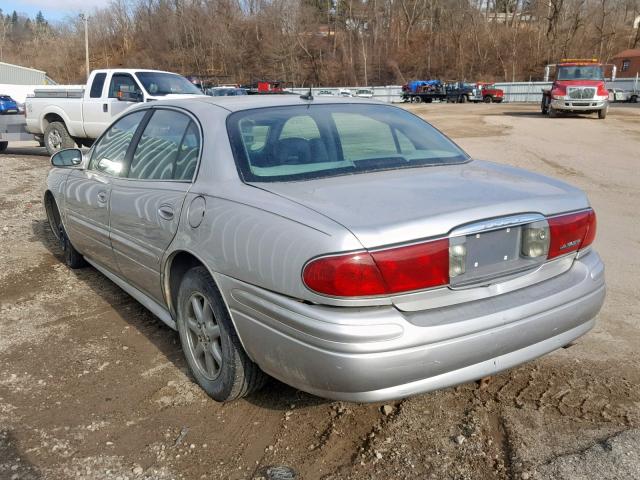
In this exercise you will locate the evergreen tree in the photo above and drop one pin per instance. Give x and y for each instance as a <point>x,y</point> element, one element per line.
<point>40,21</point>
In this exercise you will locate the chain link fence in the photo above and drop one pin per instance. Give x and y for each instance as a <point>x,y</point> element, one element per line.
<point>521,92</point>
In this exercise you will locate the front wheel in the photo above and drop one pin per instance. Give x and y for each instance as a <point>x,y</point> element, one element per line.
<point>210,343</point>
<point>602,114</point>
<point>553,113</point>
<point>487,99</point>
<point>3,146</point>
<point>634,99</point>
<point>72,258</point>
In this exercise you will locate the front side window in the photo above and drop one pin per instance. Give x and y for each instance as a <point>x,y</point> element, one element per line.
<point>315,141</point>
<point>168,148</point>
<point>110,150</point>
<point>122,82</point>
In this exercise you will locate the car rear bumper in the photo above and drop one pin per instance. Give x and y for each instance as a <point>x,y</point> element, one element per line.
<point>579,105</point>
<point>379,353</point>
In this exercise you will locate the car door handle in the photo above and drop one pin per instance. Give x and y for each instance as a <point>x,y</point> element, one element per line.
<point>105,107</point>
<point>166,212</point>
<point>102,197</point>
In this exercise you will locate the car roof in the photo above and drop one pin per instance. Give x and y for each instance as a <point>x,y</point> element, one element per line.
<point>249,102</point>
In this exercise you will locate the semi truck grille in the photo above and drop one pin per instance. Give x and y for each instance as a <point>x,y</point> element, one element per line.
<point>581,93</point>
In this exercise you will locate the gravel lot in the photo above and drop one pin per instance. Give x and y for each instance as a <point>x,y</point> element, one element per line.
<point>92,386</point>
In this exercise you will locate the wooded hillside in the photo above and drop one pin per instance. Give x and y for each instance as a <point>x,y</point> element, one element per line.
<point>351,42</point>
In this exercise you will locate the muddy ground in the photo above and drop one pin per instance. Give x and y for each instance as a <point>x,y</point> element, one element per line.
<point>92,386</point>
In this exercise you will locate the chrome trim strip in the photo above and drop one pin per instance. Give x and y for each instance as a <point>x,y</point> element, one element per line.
<point>496,224</point>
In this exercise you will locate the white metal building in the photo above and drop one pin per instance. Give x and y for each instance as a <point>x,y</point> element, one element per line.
<point>17,75</point>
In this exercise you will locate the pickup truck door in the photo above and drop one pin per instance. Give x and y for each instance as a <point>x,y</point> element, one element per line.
<point>101,104</point>
<point>147,202</point>
<point>88,191</point>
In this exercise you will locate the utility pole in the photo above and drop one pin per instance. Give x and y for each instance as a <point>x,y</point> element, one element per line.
<point>85,19</point>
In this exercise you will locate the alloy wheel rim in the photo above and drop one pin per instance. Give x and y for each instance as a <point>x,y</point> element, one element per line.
<point>203,336</point>
<point>55,140</point>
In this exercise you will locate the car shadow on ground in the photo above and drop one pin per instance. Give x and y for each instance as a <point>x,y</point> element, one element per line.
<point>14,464</point>
<point>273,396</point>
<point>25,151</point>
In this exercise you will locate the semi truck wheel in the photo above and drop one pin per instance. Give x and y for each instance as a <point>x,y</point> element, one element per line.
<point>56,138</point>
<point>417,99</point>
<point>487,99</point>
<point>3,146</point>
<point>553,113</point>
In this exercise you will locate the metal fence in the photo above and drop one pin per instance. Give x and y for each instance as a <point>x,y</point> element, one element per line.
<point>526,92</point>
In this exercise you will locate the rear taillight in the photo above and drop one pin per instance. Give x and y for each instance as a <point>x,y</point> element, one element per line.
<point>414,267</point>
<point>382,272</point>
<point>571,232</point>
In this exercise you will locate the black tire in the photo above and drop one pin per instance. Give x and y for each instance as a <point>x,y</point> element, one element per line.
<point>463,98</point>
<point>3,146</point>
<point>553,113</point>
<point>633,99</point>
<point>234,375</point>
<point>417,99</point>
<point>56,138</point>
<point>72,258</point>
<point>602,114</point>
<point>488,99</point>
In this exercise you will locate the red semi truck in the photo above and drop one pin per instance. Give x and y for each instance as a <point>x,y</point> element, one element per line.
<point>578,87</point>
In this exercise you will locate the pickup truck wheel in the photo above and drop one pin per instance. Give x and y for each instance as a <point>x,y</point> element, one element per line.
<point>633,99</point>
<point>487,99</point>
<point>3,146</point>
<point>210,343</point>
<point>553,113</point>
<point>56,138</point>
<point>602,114</point>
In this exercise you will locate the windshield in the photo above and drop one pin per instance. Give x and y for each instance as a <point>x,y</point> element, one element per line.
<point>305,142</point>
<point>160,84</point>
<point>580,72</point>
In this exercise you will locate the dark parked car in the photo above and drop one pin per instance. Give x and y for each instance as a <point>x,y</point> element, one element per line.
<point>225,92</point>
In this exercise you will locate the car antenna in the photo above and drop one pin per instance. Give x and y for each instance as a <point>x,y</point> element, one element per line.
<point>308,95</point>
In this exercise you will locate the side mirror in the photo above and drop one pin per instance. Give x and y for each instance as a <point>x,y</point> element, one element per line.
<point>70,157</point>
<point>546,73</point>
<point>129,96</point>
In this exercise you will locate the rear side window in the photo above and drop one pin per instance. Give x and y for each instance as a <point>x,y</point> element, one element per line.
<point>168,148</point>
<point>314,141</point>
<point>110,150</point>
<point>97,85</point>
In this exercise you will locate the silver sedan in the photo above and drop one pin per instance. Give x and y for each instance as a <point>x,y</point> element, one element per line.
<point>342,246</point>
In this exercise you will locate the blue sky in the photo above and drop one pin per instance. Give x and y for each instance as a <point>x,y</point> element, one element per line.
<point>53,10</point>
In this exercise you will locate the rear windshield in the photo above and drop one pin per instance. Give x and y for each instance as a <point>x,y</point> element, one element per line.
<point>305,142</point>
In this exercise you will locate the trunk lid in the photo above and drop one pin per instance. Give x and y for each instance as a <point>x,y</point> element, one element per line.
<point>398,206</point>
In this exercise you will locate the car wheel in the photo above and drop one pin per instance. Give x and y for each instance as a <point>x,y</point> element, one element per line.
<point>3,146</point>
<point>72,258</point>
<point>56,138</point>
<point>210,343</point>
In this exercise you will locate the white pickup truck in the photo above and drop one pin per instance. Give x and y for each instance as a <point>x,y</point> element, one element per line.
<point>69,115</point>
